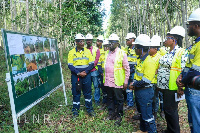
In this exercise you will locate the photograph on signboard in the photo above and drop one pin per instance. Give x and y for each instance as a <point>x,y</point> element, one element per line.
<point>30,60</point>
<point>46,44</point>
<point>15,44</point>
<point>39,45</point>
<point>18,64</point>
<point>21,84</point>
<point>41,60</point>
<point>42,75</point>
<point>33,79</point>
<point>29,44</point>
<point>53,44</point>
<point>49,60</point>
<point>54,57</point>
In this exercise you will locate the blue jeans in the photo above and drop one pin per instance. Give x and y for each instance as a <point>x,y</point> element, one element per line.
<point>157,95</point>
<point>130,100</point>
<point>193,103</point>
<point>87,92</point>
<point>144,98</point>
<point>95,80</point>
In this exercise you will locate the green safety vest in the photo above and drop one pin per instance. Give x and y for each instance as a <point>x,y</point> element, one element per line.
<point>176,69</point>
<point>119,71</point>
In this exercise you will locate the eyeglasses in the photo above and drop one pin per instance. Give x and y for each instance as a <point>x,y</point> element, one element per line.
<point>80,41</point>
<point>128,39</point>
<point>99,41</point>
<point>138,48</point>
<point>188,24</point>
<point>112,42</point>
<point>167,38</point>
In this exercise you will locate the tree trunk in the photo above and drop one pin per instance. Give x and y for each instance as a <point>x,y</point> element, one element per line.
<point>27,16</point>
<point>61,49</point>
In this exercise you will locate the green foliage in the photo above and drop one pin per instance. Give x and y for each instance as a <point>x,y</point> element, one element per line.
<point>21,86</point>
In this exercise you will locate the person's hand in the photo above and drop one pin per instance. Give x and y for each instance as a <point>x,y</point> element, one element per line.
<point>83,74</point>
<point>131,87</point>
<point>178,81</point>
<point>180,92</point>
<point>125,86</point>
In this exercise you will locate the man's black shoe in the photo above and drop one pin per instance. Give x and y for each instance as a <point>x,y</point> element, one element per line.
<point>118,121</point>
<point>136,117</point>
<point>92,114</point>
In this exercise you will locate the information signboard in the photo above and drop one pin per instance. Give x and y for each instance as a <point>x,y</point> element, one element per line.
<point>34,69</point>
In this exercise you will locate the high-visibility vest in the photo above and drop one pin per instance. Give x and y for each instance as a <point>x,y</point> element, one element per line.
<point>80,59</point>
<point>194,57</point>
<point>131,55</point>
<point>145,70</point>
<point>119,71</point>
<point>94,53</point>
<point>175,69</point>
<point>156,58</point>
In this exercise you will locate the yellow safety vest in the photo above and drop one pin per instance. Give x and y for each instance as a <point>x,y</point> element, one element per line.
<point>131,55</point>
<point>145,70</point>
<point>119,71</point>
<point>194,57</point>
<point>80,59</point>
<point>175,69</point>
<point>156,58</point>
<point>162,51</point>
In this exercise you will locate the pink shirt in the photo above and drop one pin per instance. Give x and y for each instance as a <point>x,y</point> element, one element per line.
<point>96,58</point>
<point>109,69</point>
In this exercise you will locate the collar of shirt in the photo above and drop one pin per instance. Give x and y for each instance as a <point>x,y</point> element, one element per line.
<point>144,57</point>
<point>132,47</point>
<point>197,40</point>
<point>80,50</point>
<point>114,50</point>
<point>173,51</point>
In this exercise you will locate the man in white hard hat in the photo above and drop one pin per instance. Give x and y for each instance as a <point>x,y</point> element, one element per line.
<point>155,54</point>
<point>144,74</point>
<point>132,60</point>
<point>94,73</point>
<point>116,75</point>
<point>81,62</point>
<point>191,70</point>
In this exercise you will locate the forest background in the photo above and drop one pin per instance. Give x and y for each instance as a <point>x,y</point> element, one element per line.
<point>62,19</point>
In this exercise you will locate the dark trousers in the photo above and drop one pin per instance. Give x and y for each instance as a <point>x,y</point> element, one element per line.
<point>87,92</point>
<point>170,107</point>
<point>104,101</point>
<point>115,94</point>
<point>144,100</point>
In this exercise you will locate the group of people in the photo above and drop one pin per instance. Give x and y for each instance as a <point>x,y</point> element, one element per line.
<point>145,68</point>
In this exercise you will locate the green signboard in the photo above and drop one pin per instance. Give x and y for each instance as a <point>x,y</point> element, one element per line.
<point>34,67</point>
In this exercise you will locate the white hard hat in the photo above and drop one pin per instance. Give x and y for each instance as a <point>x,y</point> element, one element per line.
<point>89,36</point>
<point>143,40</point>
<point>79,36</point>
<point>130,35</point>
<point>105,42</point>
<point>155,40</point>
<point>100,38</point>
<point>195,16</point>
<point>178,30</point>
<point>113,37</point>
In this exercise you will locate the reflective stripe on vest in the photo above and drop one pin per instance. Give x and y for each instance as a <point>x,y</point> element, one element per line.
<point>175,69</point>
<point>119,72</point>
